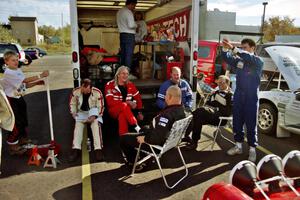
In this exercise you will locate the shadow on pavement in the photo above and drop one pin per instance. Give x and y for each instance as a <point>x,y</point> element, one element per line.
<point>109,184</point>
<point>39,130</point>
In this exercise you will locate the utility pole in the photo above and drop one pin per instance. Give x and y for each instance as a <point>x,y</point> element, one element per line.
<point>62,28</point>
<point>263,20</point>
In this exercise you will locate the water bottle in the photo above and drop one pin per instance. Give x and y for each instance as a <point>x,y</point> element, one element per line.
<point>88,144</point>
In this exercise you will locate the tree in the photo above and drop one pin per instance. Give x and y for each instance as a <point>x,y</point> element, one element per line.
<point>65,34</point>
<point>277,26</point>
<point>6,35</point>
<point>47,31</point>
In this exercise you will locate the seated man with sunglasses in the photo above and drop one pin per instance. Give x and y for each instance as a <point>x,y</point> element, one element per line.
<point>218,104</point>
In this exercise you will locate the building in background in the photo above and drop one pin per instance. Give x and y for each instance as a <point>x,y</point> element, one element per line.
<point>40,39</point>
<point>25,30</point>
<point>217,21</point>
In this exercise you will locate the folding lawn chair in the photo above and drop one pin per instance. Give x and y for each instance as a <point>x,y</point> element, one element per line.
<point>224,121</point>
<point>178,129</point>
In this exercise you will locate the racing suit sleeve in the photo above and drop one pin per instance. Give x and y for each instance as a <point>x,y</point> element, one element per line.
<point>160,132</point>
<point>188,97</point>
<point>100,102</point>
<point>137,96</point>
<point>109,97</point>
<point>73,103</point>
<point>161,97</point>
<point>229,59</point>
<point>226,110</point>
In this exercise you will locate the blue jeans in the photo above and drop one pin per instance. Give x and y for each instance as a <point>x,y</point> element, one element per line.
<point>127,42</point>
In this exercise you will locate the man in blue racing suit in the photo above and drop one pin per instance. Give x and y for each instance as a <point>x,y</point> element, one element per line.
<point>245,100</point>
<point>186,91</point>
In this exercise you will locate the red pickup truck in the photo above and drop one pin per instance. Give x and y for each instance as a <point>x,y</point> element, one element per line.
<point>209,61</point>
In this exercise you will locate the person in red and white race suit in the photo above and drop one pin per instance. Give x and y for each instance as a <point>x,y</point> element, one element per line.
<point>86,106</point>
<point>122,97</point>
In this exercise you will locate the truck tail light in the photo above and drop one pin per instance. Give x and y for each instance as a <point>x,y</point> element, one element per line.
<point>195,55</point>
<point>74,56</point>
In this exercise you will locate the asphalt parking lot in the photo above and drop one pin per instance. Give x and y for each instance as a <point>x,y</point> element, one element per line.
<point>87,179</point>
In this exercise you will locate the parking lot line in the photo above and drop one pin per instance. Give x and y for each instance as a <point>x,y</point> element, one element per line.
<point>86,170</point>
<point>262,149</point>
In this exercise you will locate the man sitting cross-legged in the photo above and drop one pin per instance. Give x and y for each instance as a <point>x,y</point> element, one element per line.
<point>160,128</point>
<point>218,104</point>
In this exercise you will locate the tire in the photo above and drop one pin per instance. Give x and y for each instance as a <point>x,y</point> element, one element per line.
<point>41,55</point>
<point>267,119</point>
<point>2,65</point>
<point>29,60</point>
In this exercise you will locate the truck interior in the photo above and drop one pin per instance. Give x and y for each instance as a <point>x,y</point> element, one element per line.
<point>97,25</point>
<point>152,59</point>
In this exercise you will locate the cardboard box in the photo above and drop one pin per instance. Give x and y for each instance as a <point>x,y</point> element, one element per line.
<point>159,74</point>
<point>145,69</point>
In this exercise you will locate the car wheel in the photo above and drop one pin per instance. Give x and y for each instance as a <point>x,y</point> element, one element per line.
<point>41,55</point>
<point>29,60</point>
<point>2,65</point>
<point>267,119</point>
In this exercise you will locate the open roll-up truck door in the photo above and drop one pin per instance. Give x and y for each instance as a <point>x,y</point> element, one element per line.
<point>104,13</point>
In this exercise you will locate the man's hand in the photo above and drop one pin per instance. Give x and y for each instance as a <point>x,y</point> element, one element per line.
<point>40,82</point>
<point>44,74</point>
<point>132,104</point>
<point>140,139</point>
<point>74,115</point>
<point>90,119</point>
<point>140,116</point>
<point>227,44</point>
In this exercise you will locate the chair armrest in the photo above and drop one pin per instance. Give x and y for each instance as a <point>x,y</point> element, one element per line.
<point>225,118</point>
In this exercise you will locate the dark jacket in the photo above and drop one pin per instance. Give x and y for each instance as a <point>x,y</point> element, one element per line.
<point>222,101</point>
<point>162,124</point>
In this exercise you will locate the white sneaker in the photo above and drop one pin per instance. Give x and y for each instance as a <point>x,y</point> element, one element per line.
<point>137,128</point>
<point>252,156</point>
<point>235,151</point>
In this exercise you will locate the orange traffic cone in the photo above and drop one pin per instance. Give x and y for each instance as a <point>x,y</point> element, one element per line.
<point>35,158</point>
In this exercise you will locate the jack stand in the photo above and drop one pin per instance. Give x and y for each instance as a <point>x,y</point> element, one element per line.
<point>51,160</point>
<point>35,158</point>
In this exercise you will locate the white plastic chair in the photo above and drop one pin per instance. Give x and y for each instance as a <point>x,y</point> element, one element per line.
<point>178,129</point>
<point>218,131</point>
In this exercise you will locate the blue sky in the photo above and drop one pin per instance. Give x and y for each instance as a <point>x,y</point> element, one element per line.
<point>49,12</point>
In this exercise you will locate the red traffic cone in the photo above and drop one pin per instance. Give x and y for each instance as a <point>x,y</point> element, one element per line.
<point>35,158</point>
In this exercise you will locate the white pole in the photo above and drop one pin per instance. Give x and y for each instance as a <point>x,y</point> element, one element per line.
<point>49,108</point>
<point>194,47</point>
<point>0,147</point>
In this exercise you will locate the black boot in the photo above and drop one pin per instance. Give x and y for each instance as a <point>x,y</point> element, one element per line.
<point>74,155</point>
<point>192,145</point>
<point>99,155</point>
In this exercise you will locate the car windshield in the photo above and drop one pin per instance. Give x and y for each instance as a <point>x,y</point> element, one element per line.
<point>203,51</point>
<point>5,47</point>
<point>19,47</point>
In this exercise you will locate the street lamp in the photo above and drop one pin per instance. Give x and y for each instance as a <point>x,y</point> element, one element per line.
<point>263,20</point>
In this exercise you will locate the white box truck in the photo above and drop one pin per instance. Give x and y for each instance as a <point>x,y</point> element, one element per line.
<point>183,15</point>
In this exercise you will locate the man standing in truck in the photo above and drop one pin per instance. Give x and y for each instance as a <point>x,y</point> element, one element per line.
<point>248,68</point>
<point>127,28</point>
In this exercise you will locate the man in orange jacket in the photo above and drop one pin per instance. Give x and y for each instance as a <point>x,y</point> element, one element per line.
<point>122,97</point>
